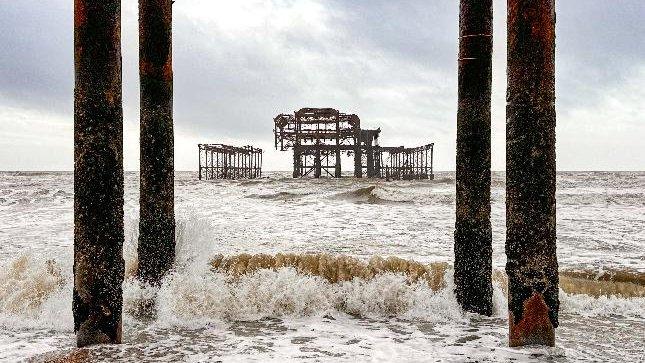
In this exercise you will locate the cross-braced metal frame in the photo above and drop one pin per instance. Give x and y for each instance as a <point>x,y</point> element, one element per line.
<point>218,161</point>
<point>319,136</point>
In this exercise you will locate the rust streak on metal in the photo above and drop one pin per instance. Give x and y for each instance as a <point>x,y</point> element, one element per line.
<point>532,264</point>
<point>534,327</point>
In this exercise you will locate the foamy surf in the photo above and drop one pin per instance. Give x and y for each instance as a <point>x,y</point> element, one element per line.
<point>251,287</point>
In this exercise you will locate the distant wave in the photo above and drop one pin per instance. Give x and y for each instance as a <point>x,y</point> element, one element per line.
<point>370,195</point>
<point>578,199</point>
<point>21,197</point>
<point>444,180</point>
<point>283,196</point>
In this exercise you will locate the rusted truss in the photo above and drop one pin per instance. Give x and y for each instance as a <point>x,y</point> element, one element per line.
<point>315,126</point>
<point>219,161</point>
<point>319,136</point>
<point>407,163</point>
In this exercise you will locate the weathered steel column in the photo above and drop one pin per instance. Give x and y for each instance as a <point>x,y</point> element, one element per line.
<point>156,248</point>
<point>370,159</point>
<point>317,164</point>
<point>532,264</point>
<point>358,156</point>
<point>377,163</point>
<point>338,173</point>
<point>297,162</point>
<point>473,235</point>
<point>98,173</point>
<point>199,147</point>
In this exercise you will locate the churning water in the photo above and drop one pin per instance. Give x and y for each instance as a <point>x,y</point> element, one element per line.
<point>283,269</point>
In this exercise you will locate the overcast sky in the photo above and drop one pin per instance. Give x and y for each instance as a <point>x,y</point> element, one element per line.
<point>239,63</point>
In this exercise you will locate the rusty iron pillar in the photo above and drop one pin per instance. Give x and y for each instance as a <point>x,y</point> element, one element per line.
<point>358,162</point>
<point>156,248</point>
<point>532,264</point>
<point>98,173</point>
<point>473,234</point>
<point>297,162</point>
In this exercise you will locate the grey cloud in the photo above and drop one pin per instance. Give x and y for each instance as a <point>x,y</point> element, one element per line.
<point>393,63</point>
<point>36,54</point>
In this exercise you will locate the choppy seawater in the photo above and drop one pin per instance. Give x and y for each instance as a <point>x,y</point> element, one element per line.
<point>271,315</point>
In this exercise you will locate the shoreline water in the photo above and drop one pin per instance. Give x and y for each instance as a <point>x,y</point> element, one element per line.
<point>277,313</point>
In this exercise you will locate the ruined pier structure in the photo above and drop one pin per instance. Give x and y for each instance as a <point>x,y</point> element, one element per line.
<point>218,161</point>
<point>319,136</point>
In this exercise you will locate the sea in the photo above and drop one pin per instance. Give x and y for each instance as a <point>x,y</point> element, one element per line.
<point>329,270</point>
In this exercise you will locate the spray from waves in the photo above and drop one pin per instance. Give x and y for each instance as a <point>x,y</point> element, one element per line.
<point>185,300</point>
<point>25,284</point>
<point>35,292</point>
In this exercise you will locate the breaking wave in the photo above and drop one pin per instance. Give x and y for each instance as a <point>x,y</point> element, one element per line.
<point>36,292</point>
<point>371,195</point>
<point>280,196</point>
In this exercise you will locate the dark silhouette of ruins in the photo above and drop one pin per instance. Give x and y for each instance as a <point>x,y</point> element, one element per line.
<point>319,136</point>
<point>219,161</point>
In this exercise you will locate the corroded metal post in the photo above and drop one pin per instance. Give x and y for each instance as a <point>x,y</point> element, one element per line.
<point>473,236</point>
<point>297,162</point>
<point>156,248</point>
<point>98,173</point>
<point>317,164</point>
<point>532,265</point>
<point>358,161</point>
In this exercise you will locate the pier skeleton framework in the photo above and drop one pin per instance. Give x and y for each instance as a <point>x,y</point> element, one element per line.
<point>219,161</point>
<point>319,136</point>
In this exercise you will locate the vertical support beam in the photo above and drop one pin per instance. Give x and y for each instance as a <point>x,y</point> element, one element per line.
<point>296,162</point>
<point>432,162</point>
<point>377,163</point>
<point>370,158</point>
<point>317,164</point>
<point>251,173</point>
<point>156,249</point>
<point>227,165</point>
<point>532,264</point>
<point>199,147</point>
<point>206,152</point>
<point>338,170</point>
<point>358,155</point>
<point>473,235</point>
<point>98,173</point>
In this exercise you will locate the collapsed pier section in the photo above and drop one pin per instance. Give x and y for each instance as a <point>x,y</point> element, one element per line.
<point>407,163</point>
<point>319,137</point>
<point>219,161</point>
